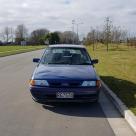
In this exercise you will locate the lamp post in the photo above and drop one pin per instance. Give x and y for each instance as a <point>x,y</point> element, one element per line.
<point>73,23</point>
<point>78,31</point>
<point>77,25</point>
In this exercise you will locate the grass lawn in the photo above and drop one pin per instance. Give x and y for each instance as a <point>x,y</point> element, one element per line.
<point>11,50</point>
<point>117,68</point>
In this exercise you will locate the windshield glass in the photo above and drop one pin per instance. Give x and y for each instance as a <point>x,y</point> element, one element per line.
<point>70,56</point>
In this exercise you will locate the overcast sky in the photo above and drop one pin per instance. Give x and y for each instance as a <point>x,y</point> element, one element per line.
<point>58,14</point>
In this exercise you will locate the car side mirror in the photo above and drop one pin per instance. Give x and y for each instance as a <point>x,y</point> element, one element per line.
<point>95,61</point>
<point>36,60</point>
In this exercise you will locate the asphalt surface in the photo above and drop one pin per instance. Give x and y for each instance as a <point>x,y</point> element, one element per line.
<point>21,116</point>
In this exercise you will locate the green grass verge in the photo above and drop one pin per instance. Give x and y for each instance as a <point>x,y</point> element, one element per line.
<point>117,68</point>
<point>11,50</point>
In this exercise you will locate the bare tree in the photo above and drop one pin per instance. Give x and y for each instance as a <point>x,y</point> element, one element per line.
<point>7,34</point>
<point>118,35</point>
<point>61,37</point>
<point>69,37</point>
<point>12,35</point>
<point>21,33</point>
<point>110,34</point>
<point>107,31</point>
<point>92,37</point>
<point>124,35</point>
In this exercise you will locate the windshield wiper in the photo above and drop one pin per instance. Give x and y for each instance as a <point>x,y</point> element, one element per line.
<point>60,63</point>
<point>85,63</point>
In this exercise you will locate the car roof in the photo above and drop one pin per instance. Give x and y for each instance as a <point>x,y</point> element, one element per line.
<point>67,45</point>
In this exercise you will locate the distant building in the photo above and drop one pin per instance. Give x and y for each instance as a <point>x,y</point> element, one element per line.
<point>23,43</point>
<point>46,42</point>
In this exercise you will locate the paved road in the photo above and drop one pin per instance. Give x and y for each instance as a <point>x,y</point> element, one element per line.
<point>20,116</point>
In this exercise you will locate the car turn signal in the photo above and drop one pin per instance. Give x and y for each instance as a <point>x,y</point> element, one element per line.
<point>98,83</point>
<point>32,82</point>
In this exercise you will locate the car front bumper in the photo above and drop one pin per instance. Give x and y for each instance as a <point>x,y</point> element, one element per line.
<point>48,94</point>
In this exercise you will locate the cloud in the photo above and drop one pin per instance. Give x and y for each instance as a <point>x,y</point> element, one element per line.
<point>58,14</point>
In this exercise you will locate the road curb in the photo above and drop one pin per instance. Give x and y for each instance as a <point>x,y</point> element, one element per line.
<point>125,112</point>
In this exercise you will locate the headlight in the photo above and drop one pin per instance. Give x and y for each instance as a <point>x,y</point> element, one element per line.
<point>89,83</point>
<point>38,83</point>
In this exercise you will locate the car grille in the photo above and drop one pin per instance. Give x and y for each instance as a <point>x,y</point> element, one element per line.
<point>65,84</point>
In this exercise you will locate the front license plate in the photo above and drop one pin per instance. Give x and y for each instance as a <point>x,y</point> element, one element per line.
<point>65,95</point>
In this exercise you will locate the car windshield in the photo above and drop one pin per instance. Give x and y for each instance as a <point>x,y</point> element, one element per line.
<point>65,55</point>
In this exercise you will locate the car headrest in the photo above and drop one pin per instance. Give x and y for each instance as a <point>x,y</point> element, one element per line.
<point>56,56</point>
<point>76,58</point>
<point>66,53</point>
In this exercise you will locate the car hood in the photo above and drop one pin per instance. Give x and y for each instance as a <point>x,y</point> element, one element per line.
<point>67,72</point>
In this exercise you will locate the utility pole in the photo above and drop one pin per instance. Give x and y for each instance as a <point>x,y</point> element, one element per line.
<point>73,23</point>
<point>78,31</point>
<point>77,34</point>
<point>92,36</point>
<point>73,27</point>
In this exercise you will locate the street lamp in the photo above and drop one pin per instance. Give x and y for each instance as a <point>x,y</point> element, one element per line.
<point>78,31</point>
<point>77,25</point>
<point>73,23</point>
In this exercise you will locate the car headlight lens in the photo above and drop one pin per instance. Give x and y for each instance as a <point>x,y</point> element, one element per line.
<point>89,83</point>
<point>38,83</point>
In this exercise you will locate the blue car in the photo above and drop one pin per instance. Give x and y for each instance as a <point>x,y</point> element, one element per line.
<point>65,73</point>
